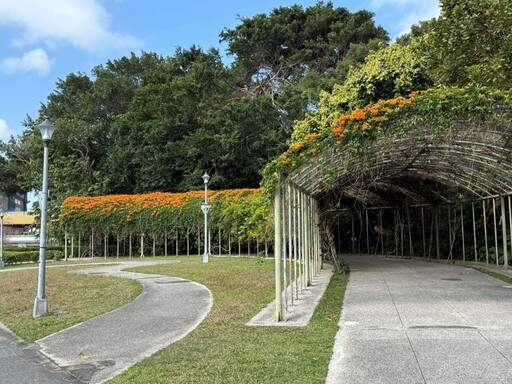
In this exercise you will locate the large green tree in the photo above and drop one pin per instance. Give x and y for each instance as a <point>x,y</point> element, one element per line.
<point>471,43</point>
<point>292,53</point>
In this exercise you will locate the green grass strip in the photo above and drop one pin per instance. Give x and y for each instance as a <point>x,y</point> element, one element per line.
<point>224,350</point>
<point>494,274</point>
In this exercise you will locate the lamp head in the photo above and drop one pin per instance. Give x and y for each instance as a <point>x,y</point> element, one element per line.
<point>47,128</point>
<point>206,178</point>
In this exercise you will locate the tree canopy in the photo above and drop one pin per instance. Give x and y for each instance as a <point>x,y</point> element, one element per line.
<point>470,43</point>
<point>146,123</point>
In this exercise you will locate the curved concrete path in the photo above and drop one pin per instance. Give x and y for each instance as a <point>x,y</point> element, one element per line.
<point>406,321</point>
<point>102,347</point>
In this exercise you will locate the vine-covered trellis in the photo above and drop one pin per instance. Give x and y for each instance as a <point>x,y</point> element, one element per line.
<point>428,175</point>
<point>165,223</point>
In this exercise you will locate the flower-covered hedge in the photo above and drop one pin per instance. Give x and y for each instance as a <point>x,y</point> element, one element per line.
<point>433,109</point>
<point>244,212</point>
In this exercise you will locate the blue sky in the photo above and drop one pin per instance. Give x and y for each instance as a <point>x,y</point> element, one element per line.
<point>43,41</point>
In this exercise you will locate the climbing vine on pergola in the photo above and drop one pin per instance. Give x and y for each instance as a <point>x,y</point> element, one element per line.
<point>440,146</point>
<point>241,213</point>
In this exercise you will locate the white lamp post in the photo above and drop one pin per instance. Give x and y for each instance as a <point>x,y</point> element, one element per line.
<point>41,305</point>
<point>205,207</point>
<point>2,264</point>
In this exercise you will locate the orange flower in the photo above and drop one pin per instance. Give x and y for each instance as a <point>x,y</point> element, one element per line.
<point>296,146</point>
<point>358,115</point>
<point>311,136</point>
<point>342,120</point>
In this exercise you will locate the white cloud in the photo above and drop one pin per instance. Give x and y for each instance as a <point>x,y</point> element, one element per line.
<point>81,23</point>
<point>36,60</point>
<point>410,11</point>
<point>5,131</point>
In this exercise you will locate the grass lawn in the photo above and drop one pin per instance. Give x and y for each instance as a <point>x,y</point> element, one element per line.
<point>71,299</point>
<point>221,350</point>
<point>224,350</point>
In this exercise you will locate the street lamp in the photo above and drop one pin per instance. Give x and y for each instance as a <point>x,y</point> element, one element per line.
<point>2,264</point>
<point>205,207</point>
<point>41,305</point>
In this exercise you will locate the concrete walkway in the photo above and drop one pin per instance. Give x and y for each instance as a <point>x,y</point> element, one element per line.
<point>100,348</point>
<point>21,363</point>
<point>406,321</point>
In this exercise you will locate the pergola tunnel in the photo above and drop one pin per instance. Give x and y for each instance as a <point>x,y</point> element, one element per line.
<point>477,231</point>
<point>427,176</point>
<point>474,231</point>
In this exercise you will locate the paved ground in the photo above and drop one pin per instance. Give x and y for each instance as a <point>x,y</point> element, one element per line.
<point>21,363</point>
<point>300,311</point>
<point>407,321</point>
<point>102,347</point>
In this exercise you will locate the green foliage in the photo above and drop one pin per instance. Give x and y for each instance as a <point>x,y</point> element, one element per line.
<point>470,44</point>
<point>294,52</point>
<point>24,255</point>
<point>417,31</point>
<point>387,73</point>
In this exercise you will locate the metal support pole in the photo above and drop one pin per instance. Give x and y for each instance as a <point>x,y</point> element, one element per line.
<point>105,245</point>
<point>411,250</point>
<point>504,232</point>
<point>177,241</point>
<point>367,232</point>
<point>306,240</point>
<point>450,255</point>
<point>130,246</point>
<point>495,231</point>
<point>474,231</point>
<point>381,234</point>
<point>290,240</point>
<point>295,245</point>
<point>188,241</point>
<point>462,232</point>
<point>2,263</point>
<point>279,313</point>
<point>485,233</point>
<point>65,245</point>
<point>510,220</point>
<point>353,234</point>
<point>283,233</point>
<point>423,232</point>
<point>436,217</point>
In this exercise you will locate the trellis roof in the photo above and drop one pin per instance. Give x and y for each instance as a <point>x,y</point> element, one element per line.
<point>414,161</point>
